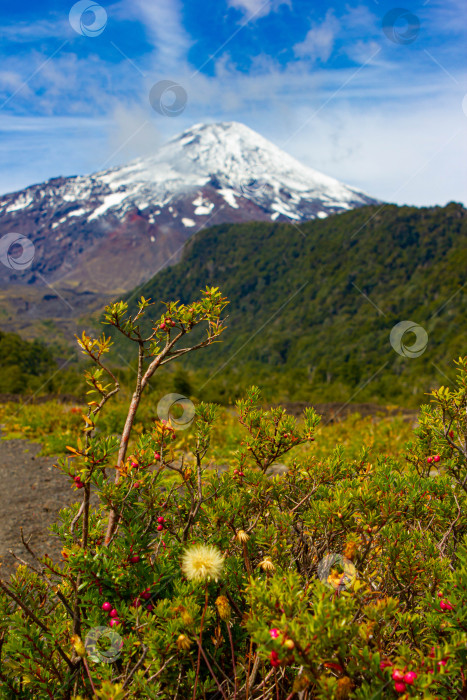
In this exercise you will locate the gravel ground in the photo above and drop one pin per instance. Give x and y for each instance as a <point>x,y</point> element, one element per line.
<point>31,495</point>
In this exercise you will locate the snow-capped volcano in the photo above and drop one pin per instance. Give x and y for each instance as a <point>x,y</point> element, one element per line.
<point>116,228</point>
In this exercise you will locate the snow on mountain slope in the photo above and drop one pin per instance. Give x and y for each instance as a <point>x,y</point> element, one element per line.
<point>240,160</point>
<point>116,228</point>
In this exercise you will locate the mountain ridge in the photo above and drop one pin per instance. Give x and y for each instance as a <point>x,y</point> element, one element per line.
<point>112,230</point>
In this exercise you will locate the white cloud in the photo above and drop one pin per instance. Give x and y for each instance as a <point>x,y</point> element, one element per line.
<point>254,9</point>
<point>162,19</point>
<point>319,41</point>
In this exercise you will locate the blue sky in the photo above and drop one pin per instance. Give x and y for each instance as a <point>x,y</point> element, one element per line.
<point>380,110</point>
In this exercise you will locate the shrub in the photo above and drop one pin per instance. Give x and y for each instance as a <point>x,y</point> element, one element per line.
<point>342,578</point>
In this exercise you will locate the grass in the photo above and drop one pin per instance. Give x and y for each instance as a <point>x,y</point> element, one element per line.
<point>55,425</point>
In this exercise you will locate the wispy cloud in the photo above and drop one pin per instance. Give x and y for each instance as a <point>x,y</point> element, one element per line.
<point>320,39</point>
<point>258,8</point>
<point>373,133</point>
<point>162,19</point>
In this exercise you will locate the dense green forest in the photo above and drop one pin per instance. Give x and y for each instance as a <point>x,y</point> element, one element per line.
<point>24,365</point>
<point>312,306</point>
<point>310,313</point>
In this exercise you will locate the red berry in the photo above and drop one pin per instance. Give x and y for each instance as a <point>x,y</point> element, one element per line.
<point>410,677</point>
<point>173,436</point>
<point>385,664</point>
<point>235,471</point>
<point>399,687</point>
<point>274,659</point>
<point>137,484</point>
<point>436,458</point>
<point>161,519</point>
<point>150,607</point>
<point>162,326</point>
<point>114,621</point>
<point>440,594</point>
<point>79,485</point>
<point>446,605</point>
<point>397,675</point>
<point>113,613</point>
<point>160,527</point>
<point>107,607</point>
<point>443,662</point>
<point>146,595</point>
<point>157,455</point>
<point>77,478</point>
<point>241,474</point>
<point>451,434</point>
<point>134,559</point>
<point>429,460</point>
<point>136,603</point>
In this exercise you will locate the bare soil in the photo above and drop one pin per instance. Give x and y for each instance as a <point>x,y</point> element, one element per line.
<point>32,493</point>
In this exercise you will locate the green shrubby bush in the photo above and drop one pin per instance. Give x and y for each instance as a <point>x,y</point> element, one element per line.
<point>341,578</point>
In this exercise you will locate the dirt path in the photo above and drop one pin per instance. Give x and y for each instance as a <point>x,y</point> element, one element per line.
<point>32,492</point>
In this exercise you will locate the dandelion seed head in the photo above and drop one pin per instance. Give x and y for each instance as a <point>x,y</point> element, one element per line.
<point>202,562</point>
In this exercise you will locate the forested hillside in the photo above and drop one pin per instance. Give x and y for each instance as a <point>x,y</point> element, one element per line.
<point>318,301</point>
